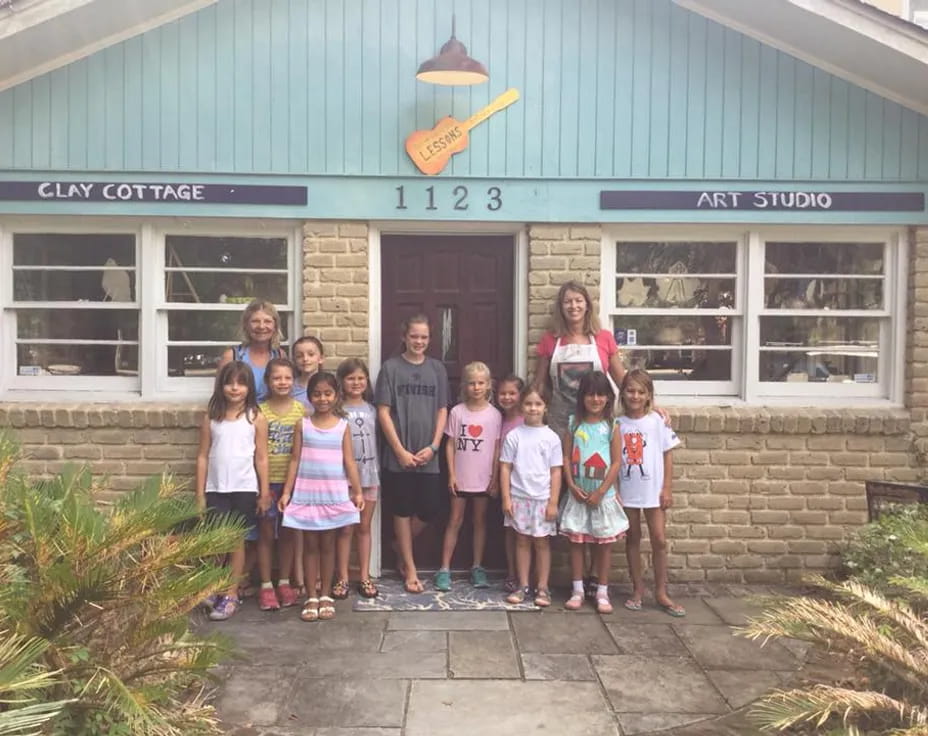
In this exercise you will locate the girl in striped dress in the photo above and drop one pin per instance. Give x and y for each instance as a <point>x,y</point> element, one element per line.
<point>323,490</point>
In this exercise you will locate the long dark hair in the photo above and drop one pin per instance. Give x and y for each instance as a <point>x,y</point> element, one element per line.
<point>326,377</point>
<point>233,372</point>
<point>595,382</point>
<point>349,366</point>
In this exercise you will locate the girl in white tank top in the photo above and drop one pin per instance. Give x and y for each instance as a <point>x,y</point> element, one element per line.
<point>232,473</point>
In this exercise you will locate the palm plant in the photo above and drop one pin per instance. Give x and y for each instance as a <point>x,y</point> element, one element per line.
<point>888,640</point>
<point>23,680</point>
<point>109,592</point>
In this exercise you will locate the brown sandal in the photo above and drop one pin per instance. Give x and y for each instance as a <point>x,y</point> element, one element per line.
<point>340,590</point>
<point>367,588</point>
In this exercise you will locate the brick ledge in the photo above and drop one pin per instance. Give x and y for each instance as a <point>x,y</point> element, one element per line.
<point>686,419</point>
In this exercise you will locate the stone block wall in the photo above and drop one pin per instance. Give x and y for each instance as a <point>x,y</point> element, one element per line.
<point>335,288</point>
<point>916,364</point>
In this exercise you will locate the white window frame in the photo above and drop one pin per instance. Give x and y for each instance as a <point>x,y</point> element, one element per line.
<point>746,386</point>
<point>609,309</point>
<point>152,382</point>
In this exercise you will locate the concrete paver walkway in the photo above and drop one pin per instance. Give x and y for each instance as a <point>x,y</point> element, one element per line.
<point>448,673</point>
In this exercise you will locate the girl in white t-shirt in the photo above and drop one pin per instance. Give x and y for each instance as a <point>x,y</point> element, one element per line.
<point>645,477</point>
<point>530,483</point>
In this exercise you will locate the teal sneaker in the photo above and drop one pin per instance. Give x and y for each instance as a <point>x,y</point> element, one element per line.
<point>478,577</point>
<point>442,581</point>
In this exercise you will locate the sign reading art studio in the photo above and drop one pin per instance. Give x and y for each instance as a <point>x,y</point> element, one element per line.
<point>761,201</point>
<point>175,193</point>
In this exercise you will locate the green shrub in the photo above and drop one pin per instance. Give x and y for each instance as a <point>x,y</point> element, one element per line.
<point>889,548</point>
<point>109,593</point>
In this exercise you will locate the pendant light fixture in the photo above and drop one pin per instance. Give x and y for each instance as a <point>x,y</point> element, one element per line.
<point>452,66</point>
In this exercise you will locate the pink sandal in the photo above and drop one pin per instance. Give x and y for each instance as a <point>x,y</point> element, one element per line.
<point>603,605</point>
<point>575,602</point>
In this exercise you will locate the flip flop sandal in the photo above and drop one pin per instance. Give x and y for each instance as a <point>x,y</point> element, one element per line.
<point>603,605</point>
<point>310,610</point>
<point>367,589</point>
<point>340,590</point>
<point>326,608</point>
<point>633,605</point>
<point>414,587</point>
<point>543,598</point>
<point>575,602</point>
<point>673,610</point>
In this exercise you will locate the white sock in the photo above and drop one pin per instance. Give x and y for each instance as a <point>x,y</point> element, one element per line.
<point>284,581</point>
<point>578,587</point>
<point>267,586</point>
<point>602,591</point>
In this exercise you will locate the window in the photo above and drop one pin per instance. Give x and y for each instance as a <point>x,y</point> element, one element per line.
<point>917,12</point>
<point>133,308</point>
<point>758,315</point>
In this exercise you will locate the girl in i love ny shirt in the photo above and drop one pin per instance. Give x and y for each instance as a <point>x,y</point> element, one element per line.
<point>472,452</point>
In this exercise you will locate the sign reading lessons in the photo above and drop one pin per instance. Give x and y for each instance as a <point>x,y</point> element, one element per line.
<point>761,201</point>
<point>82,191</point>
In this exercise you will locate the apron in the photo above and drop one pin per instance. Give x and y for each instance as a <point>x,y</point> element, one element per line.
<point>569,363</point>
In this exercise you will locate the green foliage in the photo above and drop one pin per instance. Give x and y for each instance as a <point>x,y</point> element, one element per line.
<point>890,551</point>
<point>23,682</point>
<point>108,593</point>
<point>886,638</point>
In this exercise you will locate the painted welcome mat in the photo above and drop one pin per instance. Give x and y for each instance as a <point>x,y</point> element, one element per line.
<point>462,597</point>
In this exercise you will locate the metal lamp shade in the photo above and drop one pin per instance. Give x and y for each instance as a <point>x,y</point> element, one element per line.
<point>452,67</point>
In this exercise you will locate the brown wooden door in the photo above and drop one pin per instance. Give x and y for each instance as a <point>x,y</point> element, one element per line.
<point>464,284</point>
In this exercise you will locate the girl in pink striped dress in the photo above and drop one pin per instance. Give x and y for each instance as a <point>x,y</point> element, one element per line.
<point>323,490</point>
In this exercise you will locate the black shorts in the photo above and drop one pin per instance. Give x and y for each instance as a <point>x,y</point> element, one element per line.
<point>413,494</point>
<point>240,505</point>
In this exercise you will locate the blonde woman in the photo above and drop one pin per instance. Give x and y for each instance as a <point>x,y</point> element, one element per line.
<point>261,336</point>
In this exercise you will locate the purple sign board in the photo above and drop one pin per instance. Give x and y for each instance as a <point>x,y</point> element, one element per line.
<point>763,201</point>
<point>160,192</point>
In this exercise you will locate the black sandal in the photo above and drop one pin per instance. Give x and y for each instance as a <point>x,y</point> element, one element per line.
<point>340,590</point>
<point>367,588</point>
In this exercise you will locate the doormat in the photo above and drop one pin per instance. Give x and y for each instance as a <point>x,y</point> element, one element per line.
<point>462,597</point>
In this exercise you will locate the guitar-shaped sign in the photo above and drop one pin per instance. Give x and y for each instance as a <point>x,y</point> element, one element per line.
<point>430,150</point>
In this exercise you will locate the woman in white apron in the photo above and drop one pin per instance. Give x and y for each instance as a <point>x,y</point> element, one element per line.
<point>575,346</point>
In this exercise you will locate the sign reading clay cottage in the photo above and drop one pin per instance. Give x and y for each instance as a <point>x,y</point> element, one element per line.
<point>82,191</point>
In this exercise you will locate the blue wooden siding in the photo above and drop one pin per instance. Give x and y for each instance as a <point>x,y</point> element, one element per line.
<point>610,88</point>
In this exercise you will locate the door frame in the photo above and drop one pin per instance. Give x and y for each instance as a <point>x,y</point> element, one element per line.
<point>519,233</point>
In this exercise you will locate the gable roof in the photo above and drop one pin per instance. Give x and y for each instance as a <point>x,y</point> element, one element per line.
<point>851,39</point>
<point>37,36</point>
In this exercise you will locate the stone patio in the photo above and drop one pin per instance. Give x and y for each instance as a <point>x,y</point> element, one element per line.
<point>447,673</point>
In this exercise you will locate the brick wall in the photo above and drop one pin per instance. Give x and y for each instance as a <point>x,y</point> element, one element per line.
<point>916,373</point>
<point>335,288</point>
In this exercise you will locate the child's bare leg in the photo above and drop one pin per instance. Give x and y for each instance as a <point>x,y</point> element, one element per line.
<point>523,558</point>
<point>542,561</point>
<point>298,559</point>
<point>327,560</point>
<point>480,528</point>
<point>658,536</point>
<point>602,561</point>
<point>510,535</point>
<point>455,520</point>
<point>251,557</point>
<point>633,553</point>
<point>364,539</point>
<point>343,551</point>
<point>310,562</point>
<point>576,561</point>
<point>285,553</point>
<point>237,563</point>
<point>404,532</point>
<point>265,548</point>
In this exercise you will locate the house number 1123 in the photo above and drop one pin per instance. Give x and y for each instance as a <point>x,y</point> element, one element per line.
<point>459,199</point>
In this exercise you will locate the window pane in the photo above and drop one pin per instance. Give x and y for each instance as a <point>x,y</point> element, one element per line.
<point>831,365</point>
<point>55,249</point>
<point>824,258</point>
<point>675,258</point>
<point>673,346</point>
<point>116,285</point>
<point>224,287</point>
<point>820,332</point>
<point>194,360</point>
<point>782,293</point>
<point>77,324</point>
<point>225,253</point>
<point>675,291</point>
<point>116,328</point>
